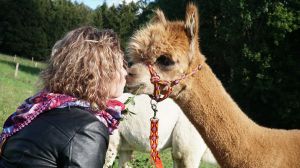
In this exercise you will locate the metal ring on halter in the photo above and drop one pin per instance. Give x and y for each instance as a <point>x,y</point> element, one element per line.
<point>154,107</point>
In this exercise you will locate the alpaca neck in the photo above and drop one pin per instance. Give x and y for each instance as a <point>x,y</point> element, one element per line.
<point>224,127</point>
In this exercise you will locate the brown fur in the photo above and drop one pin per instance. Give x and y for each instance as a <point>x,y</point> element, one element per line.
<point>234,139</point>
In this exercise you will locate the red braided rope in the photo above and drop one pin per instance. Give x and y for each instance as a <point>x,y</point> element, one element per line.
<point>154,143</point>
<point>162,90</point>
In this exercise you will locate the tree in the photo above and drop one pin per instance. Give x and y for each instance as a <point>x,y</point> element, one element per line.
<point>31,27</point>
<point>23,33</point>
<point>128,21</point>
<point>251,46</point>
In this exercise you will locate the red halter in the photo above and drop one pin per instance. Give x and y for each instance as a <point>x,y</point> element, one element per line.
<point>162,90</point>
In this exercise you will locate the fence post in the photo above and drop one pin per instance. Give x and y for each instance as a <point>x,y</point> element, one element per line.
<point>17,69</point>
<point>35,65</point>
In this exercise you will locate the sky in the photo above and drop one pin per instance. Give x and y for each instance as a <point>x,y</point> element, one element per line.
<point>94,3</point>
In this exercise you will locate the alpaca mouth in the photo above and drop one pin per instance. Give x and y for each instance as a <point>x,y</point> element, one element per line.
<point>135,89</point>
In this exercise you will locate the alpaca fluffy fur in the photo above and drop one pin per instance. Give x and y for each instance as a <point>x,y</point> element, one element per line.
<point>234,139</point>
<point>175,131</point>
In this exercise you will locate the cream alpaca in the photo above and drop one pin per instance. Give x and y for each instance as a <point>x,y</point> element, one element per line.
<point>175,131</point>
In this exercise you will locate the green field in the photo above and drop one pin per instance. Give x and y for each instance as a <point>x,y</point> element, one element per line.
<point>13,91</point>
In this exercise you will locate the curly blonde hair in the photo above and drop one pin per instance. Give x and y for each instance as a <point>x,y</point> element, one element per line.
<point>83,63</point>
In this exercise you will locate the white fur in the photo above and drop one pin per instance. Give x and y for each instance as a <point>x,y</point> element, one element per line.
<point>174,131</point>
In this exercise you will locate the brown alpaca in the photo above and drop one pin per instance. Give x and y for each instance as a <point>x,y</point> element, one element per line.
<point>235,140</point>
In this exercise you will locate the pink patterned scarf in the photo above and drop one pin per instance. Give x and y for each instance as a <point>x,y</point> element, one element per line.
<point>44,101</point>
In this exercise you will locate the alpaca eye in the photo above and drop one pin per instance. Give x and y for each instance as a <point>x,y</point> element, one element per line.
<point>165,61</point>
<point>130,64</point>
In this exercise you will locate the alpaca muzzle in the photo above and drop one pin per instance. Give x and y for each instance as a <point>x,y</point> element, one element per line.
<point>164,88</point>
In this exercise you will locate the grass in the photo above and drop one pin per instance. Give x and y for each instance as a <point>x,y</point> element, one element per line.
<point>142,160</point>
<point>14,90</point>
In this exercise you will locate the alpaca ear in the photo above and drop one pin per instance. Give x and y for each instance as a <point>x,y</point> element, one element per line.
<point>159,17</point>
<point>192,21</point>
<point>191,27</point>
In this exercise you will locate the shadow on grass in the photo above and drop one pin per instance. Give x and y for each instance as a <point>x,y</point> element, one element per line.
<point>24,68</point>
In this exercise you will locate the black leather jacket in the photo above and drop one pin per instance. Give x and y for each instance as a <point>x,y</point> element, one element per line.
<point>64,138</point>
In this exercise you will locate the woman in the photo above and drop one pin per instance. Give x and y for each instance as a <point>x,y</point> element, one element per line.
<point>65,125</point>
